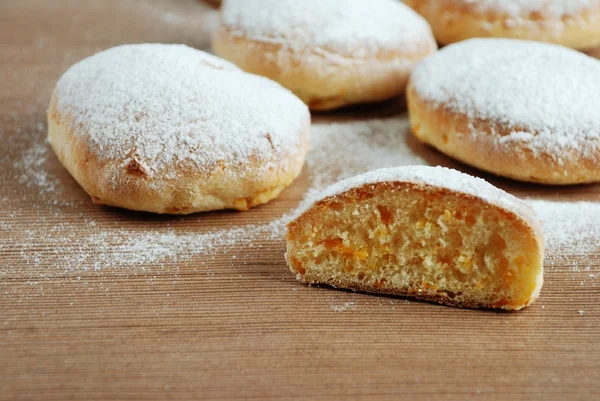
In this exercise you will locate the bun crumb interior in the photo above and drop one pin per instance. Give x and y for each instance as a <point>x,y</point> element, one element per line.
<point>414,239</point>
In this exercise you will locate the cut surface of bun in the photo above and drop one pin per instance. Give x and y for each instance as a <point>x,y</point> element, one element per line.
<point>424,232</point>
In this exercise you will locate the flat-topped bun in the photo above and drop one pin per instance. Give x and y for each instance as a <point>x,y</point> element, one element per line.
<point>170,129</point>
<point>426,232</point>
<point>330,53</point>
<point>521,109</point>
<point>571,23</point>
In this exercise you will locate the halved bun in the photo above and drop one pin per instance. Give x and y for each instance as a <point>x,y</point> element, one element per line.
<point>429,233</point>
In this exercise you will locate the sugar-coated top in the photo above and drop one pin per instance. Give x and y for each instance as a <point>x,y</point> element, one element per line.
<point>355,27</point>
<point>546,96</point>
<point>552,8</point>
<point>439,177</point>
<point>171,105</point>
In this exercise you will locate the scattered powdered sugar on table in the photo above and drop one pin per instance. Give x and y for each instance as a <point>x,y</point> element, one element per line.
<point>339,151</point>
<point>104,249</point>
<point>344,307</point>
<point>33,171</point>
<point>572,225</point>
<point>342,150</point>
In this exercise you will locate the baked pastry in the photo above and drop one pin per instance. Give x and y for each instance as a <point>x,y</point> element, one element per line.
<point>571,23</point>
<point>330,53</point>
<point>427,232</point>
<point>521,109</point>
<point>170,129</point>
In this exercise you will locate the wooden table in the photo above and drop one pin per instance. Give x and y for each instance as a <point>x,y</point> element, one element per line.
<point>233,323</point>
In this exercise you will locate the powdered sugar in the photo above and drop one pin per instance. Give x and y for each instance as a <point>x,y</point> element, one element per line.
<point>171,107</point>
<point>439,177</point>
<point>105,248</point>
<point>546,96</point>
<point>355,27</point>
<point>33,169</point>
<point>569,226</point>
<point>344,150</point>
<point>343,307</point>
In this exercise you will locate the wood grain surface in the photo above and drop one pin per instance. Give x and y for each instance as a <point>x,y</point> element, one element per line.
<point>234,324</point>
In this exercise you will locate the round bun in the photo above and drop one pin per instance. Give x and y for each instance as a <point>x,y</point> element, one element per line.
<point>427,232</point>
<point>571,23</point>
<point>519,109</point>
<point>170,129</point>
<point>330,53</point>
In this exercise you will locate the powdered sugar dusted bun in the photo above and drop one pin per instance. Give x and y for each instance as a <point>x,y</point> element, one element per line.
<point>428,232</point>
<point>572,23</point>
<point>170,129</point>
<point>330,53</point>
<point>520,109</point>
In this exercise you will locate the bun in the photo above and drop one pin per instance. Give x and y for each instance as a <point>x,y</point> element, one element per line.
<point>519,109</point>
<point>571,23</point>
<point>426,232</point>
<point>330,53</point>
<point>170,129</point>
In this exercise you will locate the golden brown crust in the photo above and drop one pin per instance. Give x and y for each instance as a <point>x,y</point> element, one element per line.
<point>457,20</point>
<point>324,78</point>
<point>522,217</point>
<point>450,132</point>
<point>442,297</point>
<point>128,185</point>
